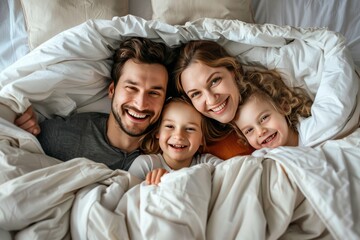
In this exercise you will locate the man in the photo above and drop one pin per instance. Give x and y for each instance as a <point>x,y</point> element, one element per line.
<point>137,93</point>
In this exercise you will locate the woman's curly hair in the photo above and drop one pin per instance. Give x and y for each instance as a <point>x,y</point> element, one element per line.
<point>268,85</point>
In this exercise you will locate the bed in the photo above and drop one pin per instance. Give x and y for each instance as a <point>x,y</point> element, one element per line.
<point>266,196</point>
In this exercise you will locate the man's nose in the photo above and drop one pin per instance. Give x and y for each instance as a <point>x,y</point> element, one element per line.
<point>141,101</point>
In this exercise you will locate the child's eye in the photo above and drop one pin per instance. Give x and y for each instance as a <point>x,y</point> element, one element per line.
<point>247,131</point>
<point>190,129</point>
<point>263,118</point>
<point>169,126</point>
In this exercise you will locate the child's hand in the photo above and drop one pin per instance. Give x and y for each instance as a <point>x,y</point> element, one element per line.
<point>154,176</point>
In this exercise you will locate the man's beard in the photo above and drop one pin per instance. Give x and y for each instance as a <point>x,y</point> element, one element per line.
<point>124,129</point>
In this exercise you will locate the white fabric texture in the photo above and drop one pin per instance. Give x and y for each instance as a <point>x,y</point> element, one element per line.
<point>336,15</point>
<point>180,12</point>
<point>111,204</point>
<point>309,187</point>
<point>13,37</point>
<point>44,19</point>
<point>145,163</point>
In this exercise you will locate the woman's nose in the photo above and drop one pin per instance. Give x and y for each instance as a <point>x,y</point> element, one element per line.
<point>210,97</point>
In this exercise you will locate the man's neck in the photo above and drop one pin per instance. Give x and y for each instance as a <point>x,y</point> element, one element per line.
<point>119,139</point>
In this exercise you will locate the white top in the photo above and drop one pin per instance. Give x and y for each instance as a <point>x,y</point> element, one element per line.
<point>146,163</point>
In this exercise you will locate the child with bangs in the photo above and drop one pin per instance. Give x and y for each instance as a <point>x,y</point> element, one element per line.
<point>176,142</point>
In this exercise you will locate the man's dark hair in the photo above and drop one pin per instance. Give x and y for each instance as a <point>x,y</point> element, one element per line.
<point>141,50</point>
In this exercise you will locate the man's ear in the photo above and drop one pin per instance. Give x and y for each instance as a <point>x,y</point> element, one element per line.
<point>111,90</point>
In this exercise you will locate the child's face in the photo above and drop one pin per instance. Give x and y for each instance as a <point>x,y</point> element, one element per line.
<point>180,134</point>
<point>263,126</point>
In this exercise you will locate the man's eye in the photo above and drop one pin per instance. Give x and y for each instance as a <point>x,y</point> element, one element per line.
<point>155,93</point>
<point>130,89</point>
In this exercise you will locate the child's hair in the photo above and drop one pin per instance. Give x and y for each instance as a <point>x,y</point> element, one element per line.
<point>149,144</point>
<point>268,85</point>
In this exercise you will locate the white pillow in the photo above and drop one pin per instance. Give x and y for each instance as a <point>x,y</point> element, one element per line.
<point>46,18</point>
<point>179,12</point>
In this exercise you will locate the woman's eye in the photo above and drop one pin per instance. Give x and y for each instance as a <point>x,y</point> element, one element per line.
<point>215,81</point>
<point>193,95</point>
<point>169,126</point>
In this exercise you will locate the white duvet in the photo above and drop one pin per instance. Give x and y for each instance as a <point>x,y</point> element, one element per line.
<point>265,197</point>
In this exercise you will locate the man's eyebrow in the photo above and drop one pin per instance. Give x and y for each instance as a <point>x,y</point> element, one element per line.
<point>152,87</point>
<point>131,82</point>
<point>158,88</point>
<point>207,80</point>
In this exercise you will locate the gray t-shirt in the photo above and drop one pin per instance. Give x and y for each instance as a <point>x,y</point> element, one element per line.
<point>146,163</point>
<point>83,135</point>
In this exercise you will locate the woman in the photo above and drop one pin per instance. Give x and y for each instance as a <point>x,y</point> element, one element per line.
<point>210,78</point>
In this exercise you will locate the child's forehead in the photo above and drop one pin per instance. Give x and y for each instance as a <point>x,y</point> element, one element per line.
<point>179,106</point>
<point>258,101</point>
<point>181,110</point>
<point>260,98</point>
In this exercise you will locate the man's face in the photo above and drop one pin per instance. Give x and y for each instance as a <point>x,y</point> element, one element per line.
<point>138,97</point>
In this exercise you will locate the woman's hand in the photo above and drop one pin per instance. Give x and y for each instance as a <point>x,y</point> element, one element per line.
<point>28,121</point>
<point>154,176</point>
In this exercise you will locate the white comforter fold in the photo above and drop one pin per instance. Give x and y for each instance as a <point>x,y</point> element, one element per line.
<point>277,194</point>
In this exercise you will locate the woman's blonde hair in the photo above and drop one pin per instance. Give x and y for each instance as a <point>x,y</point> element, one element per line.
<point>268,85</point>
<point>150,144</point>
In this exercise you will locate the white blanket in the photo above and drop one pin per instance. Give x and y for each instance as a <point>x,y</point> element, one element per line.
<point>246,197</point>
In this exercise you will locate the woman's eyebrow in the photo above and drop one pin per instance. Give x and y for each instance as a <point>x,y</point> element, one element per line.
<point>207,80</point>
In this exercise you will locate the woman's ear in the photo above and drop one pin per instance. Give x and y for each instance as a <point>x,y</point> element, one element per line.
<point>111,89</point>
<point>157,135</point>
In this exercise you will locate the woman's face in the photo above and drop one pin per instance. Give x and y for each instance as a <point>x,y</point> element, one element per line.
<point>213,91</point>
